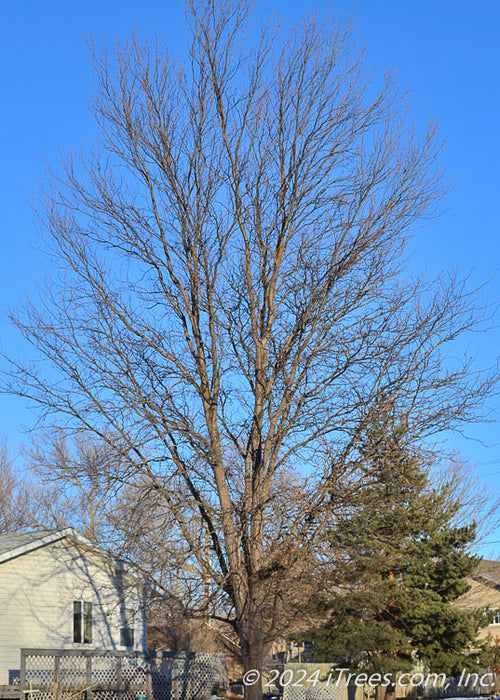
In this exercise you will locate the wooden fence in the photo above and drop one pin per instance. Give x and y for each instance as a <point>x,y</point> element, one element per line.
<point>89,674</point>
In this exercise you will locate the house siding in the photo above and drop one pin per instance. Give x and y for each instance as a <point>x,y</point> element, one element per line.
<point>37,591</point>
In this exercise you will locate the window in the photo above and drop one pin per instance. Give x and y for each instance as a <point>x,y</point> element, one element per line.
<point>127,637</point>
<point>496,620</point>
<point>127,629</point>
<point>82,622</point>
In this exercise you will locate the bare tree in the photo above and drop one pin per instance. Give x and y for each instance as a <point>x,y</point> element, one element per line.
<point>230,312</point>
<point>478,504</point>
<point>80,478</point>
<point>12,503</point>
<point>25,502</point>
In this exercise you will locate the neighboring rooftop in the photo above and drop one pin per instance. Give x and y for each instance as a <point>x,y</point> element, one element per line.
<point>488,572</point>
<point>484,587</point>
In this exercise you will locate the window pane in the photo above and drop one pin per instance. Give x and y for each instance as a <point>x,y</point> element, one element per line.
<point>127,637</point>
<point>77,621</point>
<point>87,623</point>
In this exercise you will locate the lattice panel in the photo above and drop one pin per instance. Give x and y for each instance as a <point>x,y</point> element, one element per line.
<point>196,676</point>
<point>319,692</point>
<point>72,674</point>
<point>104,694</point>
<point>301,682</point>
<point>40,678</point>
<point>451,689</point>
<point>103,673</point>
<point>96,676</point>
<point>161,678</point>
<point>134,672</point>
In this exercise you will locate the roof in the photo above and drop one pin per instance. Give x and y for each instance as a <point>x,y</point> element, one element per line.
<point>10,541</point>
<point>16,544</point>
<point>484,587</point>
<point>488,572</point>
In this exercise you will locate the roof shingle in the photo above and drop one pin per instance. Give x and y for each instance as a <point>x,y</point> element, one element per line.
<point>13,540</point>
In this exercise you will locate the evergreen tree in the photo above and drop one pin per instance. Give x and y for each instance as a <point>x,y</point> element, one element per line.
<point>400,565</point>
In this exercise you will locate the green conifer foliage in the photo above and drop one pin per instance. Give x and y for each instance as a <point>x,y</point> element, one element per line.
<point>400,565</point>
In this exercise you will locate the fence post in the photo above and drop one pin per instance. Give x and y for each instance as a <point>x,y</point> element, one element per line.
<point>23,676</point>
<point>57,677</point>
<point>149,679</point>
<point>119,678</point>
<point>175,695</point>
<point>88,677</point>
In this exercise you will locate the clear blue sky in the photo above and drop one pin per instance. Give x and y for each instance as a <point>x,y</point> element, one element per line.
<point>448,55</point>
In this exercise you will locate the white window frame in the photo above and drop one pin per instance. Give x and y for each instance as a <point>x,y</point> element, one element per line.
<point>81,628</point>
<point>127,622</point>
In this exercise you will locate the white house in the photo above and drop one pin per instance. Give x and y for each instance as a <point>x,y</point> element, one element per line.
<point>58,591</point>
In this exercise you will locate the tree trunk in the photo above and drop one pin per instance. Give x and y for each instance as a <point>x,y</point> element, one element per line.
<point>252,648</point>
<point>390,692</point>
